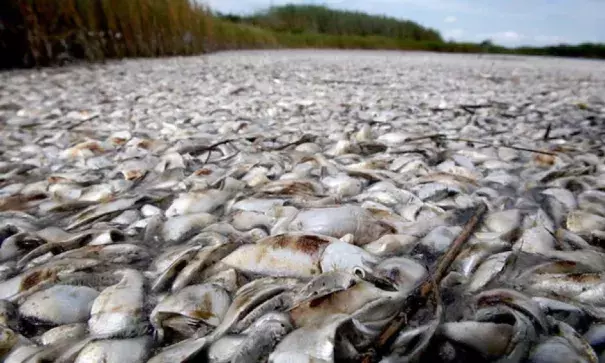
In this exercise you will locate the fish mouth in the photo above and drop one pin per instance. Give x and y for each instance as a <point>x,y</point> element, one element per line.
<point>380,282</point>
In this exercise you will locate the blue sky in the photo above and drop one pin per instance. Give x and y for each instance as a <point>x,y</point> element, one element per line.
<point>506,22</point>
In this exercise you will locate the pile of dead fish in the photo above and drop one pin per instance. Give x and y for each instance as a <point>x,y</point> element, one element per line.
<point>254,244</point>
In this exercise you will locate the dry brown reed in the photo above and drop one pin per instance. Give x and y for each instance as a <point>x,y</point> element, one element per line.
<point>49,31</point>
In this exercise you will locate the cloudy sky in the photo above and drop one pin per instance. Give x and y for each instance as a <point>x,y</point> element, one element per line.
<point>507,22</point>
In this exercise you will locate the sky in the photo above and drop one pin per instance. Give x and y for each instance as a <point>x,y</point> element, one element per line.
<point>505,22</point>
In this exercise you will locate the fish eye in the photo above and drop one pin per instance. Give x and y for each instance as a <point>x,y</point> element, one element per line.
<point>359,272</point>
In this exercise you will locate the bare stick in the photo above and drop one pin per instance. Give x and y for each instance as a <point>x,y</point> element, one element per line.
<point>212,147</point>
<point>420,294</point>
<point>547,132</point>
<point>81,122</point>
<point>506,146</point>
<point>303,139</point>
<point>443,137</point>
<point>425,137</point>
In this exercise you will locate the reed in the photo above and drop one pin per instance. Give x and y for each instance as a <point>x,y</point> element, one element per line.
<point>43,32</point>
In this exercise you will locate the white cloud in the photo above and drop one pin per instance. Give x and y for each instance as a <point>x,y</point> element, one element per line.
<point>450,19</point>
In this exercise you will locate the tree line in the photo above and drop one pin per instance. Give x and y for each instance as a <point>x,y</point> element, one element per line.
<point>323,20</point>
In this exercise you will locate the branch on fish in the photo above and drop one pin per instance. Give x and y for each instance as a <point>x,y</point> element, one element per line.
<point>419,297</point>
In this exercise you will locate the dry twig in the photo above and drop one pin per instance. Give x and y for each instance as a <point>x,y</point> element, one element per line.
<point>439,137</point>
<point>303,139</point>
<point>214,146</point>
<point>420,295</point>
<point>503,145</point>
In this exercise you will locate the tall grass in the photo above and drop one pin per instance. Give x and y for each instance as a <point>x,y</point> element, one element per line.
<point>41,32</point>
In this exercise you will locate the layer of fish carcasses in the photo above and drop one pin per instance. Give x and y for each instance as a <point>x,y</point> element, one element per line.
<point>280,206</point>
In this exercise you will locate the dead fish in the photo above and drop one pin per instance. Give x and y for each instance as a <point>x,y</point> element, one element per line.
<point>169,264</point>
<point>261,340</point>
<point>59,304</point>
<point>205,302</point>
<point>249,298</point>
<point>564,311</point>
<point>594,337</point>
<point>222,350</point>
<point>22,353</point>
<point>343,185</point>
<point>588,288</point>
<point>337,222</point>
<point>404,272</point>
<point>525,333</point>
<point>535,240</point>
<point>257,205</point>
<point>10,342</point>
<point>8,313</point>
<point>555,349</point>
<point>472,255</point>
<point>408,342</point>
<point>197,202</point>
<point>504,222</point>
<point>580,260</point>
<point>64,333</point>
<point>292,254</point>
<point>515,300</point>
<point>204,258</point>
<point>133,350</point>
<point>18,244</point>
<point>39,277</point>
<point>292,187</point>
<point>177,229</point>
<point>342,256</point>
<point>440,238</point>
<point>388,194</point>
<point>126,218</point>
<point>487,270</point>
<point>325,284</point>
<point>316,343</point>
<point>592,201</point>
<point>72,241</point>
<point>227,278</point>
<point>102,210</point>
<point>122,253</point>
<point>273,305</point>
<point>490,339</point>
<point>582,222</point>
<point>575,340</point>
<point>181,351</point>
<point>247,220</point>
<point>346,301</point>
<point>392,244</point>
<point>118,309</point>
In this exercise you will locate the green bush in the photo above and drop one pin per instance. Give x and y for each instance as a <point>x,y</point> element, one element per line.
<point>300,19</point>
